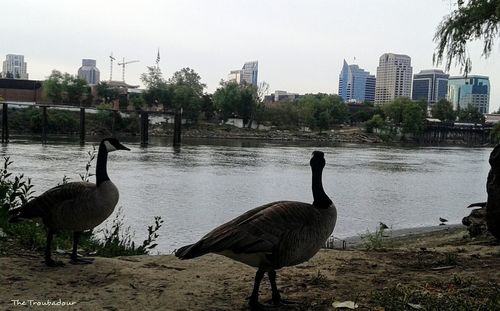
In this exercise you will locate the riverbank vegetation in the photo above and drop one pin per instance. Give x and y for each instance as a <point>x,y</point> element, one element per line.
<point>112,239</point>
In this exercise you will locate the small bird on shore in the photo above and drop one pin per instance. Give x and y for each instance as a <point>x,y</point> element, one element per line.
<point>74,206</point>
<point>274,235</point>
<point>443,221</point>
<point>383,226</point>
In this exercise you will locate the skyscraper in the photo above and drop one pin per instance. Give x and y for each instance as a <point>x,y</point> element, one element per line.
<point>14,67</point>
<point>471,90</point>
<point>356,84</point>
<point>430,85</point>
<point>248,73</point>
<point>394,75</point>
<point>89,71</point>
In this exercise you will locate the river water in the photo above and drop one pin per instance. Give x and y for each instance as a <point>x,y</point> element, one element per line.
<point>208,182</point>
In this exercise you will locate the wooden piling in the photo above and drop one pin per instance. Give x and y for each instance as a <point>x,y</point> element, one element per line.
<point>44,124</point>
<point>144,128</point>
<point>82,126</point>
<point>5,123</point>
<point>177,128</point>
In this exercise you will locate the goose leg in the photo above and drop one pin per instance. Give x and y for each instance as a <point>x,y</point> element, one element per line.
<point>74,255</point>
<point>276,294</point>
<point>48,251</point>
<point>254,298</point>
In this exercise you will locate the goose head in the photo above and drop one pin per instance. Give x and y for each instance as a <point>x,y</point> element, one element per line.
<point>317,160</point>
<point>112,144</point>
<point>495,157</point>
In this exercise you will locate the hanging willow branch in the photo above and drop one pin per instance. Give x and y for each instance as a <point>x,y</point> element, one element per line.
<point>476,20</point>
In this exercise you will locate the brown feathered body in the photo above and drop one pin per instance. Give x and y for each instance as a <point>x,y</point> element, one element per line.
<point>271,236</point>
<point>75,206</point>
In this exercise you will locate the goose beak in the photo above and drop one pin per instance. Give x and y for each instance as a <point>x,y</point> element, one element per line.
<point>122,147</point>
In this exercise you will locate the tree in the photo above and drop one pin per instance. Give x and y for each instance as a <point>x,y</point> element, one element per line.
<point>413,119</point>
<point>405,114</point>
<point>394,110</point>
<point>158,91</point>
<point>53,87</point>
<point>61,87</point>
<point>376,122</point>
<point>476,20</point>
<point>443,110</point>
<point>153,78</point>
<point>470,114</point>
<point>75,88</point>
<point>320,111</point>
<point>281,114</point>
<point>107,93</point>
<point>207,106</point>
<point>495,132</point>
<point>233,99</point>
<point>187,91</point>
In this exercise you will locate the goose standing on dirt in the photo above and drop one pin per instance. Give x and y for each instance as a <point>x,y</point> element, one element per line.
<point>75,206</point>
<point>274,235</point>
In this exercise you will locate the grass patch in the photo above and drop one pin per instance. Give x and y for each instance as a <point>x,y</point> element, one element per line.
<point>457,294</point>
<point>375,241</point>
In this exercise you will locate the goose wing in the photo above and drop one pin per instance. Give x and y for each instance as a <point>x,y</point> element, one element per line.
<point>259,230</point>
<point>60,197</point>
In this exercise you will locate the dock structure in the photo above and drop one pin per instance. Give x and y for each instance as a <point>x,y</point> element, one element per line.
<point>45,111</point>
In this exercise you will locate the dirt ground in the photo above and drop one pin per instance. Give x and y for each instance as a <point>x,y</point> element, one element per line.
<point>441,262</point>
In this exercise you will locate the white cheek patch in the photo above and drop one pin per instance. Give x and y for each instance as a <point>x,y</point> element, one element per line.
<point>109,146</point>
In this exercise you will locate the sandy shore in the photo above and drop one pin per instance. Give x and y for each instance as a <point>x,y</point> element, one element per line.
<point>216,283</point>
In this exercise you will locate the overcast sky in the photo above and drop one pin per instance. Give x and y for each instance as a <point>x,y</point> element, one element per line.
<point>300,45</point>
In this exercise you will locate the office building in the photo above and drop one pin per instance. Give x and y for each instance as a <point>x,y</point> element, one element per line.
<point>394,75</point>
<point>14,67</point>
<point>471,90</point>
<point>89,71</point>
<point>430,85</point>
<point>248,73</point>
<point>356,84</point>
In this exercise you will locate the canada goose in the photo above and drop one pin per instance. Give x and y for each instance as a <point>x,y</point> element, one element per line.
<point>274,235</point>
<point>75,206</point>
<point>493,190</point>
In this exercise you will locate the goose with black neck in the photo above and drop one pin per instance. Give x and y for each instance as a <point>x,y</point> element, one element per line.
<point>75,206</point>
<point>274,235</point>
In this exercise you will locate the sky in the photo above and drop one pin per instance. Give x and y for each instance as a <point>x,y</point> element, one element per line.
<point>300,45</point>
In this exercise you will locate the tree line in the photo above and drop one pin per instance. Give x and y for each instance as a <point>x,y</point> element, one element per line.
<point>185,92</point>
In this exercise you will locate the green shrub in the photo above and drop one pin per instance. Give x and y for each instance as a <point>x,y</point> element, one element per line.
<point>116,241</point>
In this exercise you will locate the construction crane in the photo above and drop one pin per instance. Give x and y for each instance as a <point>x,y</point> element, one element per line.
<point>123,63</point>
<point>111,59</point>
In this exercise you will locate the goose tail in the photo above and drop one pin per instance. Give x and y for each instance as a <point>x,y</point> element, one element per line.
<point>188,252</point>
<point>14,215</point>
<point>26,211</point>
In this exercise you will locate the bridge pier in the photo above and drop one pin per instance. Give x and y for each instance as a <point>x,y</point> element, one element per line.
<point>5,123</point>
<point>177,128</point>
<point>82,126</point>
<point>144,128</point>
<point>44,124</point>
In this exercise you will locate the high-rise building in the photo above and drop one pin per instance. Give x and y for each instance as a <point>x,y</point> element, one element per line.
<point>248,73</point>
<point>471,90</point>
<point>14,67</point>
<point>394,75</point>
<point>356,84</point>
<point>89,71</point>
<point>430,85</point>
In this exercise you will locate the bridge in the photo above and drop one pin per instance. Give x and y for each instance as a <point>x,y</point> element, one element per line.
<point>471,134</point>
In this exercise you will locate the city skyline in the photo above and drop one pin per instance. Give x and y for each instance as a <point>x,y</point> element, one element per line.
<point>300,46</point>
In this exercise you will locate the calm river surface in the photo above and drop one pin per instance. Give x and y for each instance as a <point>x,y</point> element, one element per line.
<point>207,183</point>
